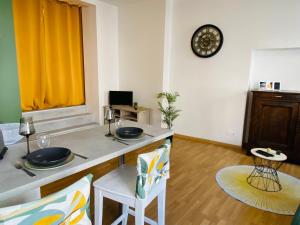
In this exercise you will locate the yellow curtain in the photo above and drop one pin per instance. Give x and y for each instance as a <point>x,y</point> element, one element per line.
<point>49,54</point>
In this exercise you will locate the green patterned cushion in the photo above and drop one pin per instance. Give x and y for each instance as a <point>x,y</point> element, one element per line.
<point>152,167</point>
<point>68,206</point>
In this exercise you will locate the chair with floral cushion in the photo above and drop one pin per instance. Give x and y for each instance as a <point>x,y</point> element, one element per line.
<point>68,206</point>
<point>136,187</point>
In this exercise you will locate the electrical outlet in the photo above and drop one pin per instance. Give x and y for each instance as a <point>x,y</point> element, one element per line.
<point>230,133</point>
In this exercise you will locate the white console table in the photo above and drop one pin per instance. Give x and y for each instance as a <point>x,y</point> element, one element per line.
<point>140,115</point>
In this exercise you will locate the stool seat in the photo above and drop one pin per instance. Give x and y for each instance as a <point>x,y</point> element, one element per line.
<point>119,185</point>
<point>136,187</point>
<point>120,181</point>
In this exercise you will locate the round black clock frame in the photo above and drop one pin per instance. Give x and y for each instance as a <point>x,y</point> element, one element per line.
<point>207,41</point>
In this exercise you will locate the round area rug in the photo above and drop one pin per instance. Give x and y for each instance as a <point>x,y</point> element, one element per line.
<point>233,180</point>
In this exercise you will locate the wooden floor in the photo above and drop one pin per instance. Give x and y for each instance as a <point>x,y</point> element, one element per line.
<point>193,196</point>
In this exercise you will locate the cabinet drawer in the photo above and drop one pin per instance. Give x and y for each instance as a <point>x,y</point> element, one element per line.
<point>278,96</point>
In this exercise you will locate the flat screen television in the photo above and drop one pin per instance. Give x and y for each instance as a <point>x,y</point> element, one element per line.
<point>120,98</point>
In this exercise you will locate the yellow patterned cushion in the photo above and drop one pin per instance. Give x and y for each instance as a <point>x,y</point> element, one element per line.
<point>152,167</point>
<point>66,207</point>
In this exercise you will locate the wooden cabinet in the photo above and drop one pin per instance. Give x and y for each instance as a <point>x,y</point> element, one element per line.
<point>273,120</point>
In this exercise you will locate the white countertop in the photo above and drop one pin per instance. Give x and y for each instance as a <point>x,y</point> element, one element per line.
<point>91,143</point>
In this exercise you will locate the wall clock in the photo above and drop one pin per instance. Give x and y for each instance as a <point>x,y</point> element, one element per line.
<point>207,40</point>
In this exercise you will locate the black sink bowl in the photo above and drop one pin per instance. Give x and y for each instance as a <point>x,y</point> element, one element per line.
<point>129,132</point>
<point>48,156</point>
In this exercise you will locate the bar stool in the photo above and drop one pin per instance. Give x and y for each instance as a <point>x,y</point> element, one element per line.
<point>136,187</point>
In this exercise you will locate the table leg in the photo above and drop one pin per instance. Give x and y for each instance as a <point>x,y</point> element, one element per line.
<point>121,162</point>
<point>170,138</point>
<point>264,175</point>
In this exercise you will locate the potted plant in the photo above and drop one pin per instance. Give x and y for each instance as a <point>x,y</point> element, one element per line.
<point>169,112</point>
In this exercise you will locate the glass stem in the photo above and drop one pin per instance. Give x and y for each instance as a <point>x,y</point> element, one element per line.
<point>28,149</point>
<point>109,127</point>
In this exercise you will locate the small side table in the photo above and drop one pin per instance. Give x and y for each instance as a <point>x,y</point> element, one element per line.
<point>264,175</point>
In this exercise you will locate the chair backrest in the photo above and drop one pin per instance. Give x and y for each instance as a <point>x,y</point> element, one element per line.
<point>152,167</point>
<point>296,218</point>
<point>68,206</point>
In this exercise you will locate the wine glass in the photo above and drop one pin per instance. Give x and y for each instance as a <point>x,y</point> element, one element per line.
<point>109,116</point>
<point>118,123</point>
<point>26,129</point>
<point>43,140</point>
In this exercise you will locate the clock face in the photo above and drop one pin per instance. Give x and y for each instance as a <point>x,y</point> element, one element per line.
<point>207,41</point>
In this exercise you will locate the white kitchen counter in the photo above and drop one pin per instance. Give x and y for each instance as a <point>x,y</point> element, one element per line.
<point>91,143</point>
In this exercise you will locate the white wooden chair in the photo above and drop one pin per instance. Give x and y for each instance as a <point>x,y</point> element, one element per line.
<point>136,187</point>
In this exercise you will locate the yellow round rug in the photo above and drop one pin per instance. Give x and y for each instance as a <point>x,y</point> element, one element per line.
<point>233,180</point>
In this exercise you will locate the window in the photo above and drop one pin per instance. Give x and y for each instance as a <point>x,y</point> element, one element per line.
<point>49,53</point>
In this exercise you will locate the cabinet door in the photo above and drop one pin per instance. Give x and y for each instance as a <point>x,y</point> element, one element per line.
<point>274,124</point>
<point>295,155</point>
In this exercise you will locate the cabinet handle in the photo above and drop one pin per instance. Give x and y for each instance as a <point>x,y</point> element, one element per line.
<point>278,96</point>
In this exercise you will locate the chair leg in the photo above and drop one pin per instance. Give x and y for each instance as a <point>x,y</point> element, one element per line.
<point>98,207</point>
<point>161,207</point>
<point>139,213</point>
<point>125,214</point>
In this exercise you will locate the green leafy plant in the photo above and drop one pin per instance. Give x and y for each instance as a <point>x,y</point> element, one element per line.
<point>170,113</point>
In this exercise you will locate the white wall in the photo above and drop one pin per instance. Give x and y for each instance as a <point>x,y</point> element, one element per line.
<point>141,47</point>
<point>89,30</point>
<point>213,90</point>
<point>281,65</point>
<point>167,44</point>
<point>108,51</point>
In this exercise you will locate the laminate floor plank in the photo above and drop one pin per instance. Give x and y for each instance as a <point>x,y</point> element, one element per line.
<point>193,195</point>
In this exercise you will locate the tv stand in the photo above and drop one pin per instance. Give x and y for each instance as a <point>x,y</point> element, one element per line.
<point>126,112</point>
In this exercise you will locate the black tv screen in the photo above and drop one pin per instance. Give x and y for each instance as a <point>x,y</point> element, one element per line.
<point>120,98</point>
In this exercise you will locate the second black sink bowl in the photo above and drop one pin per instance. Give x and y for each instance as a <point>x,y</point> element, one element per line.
<point>129,132</point>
